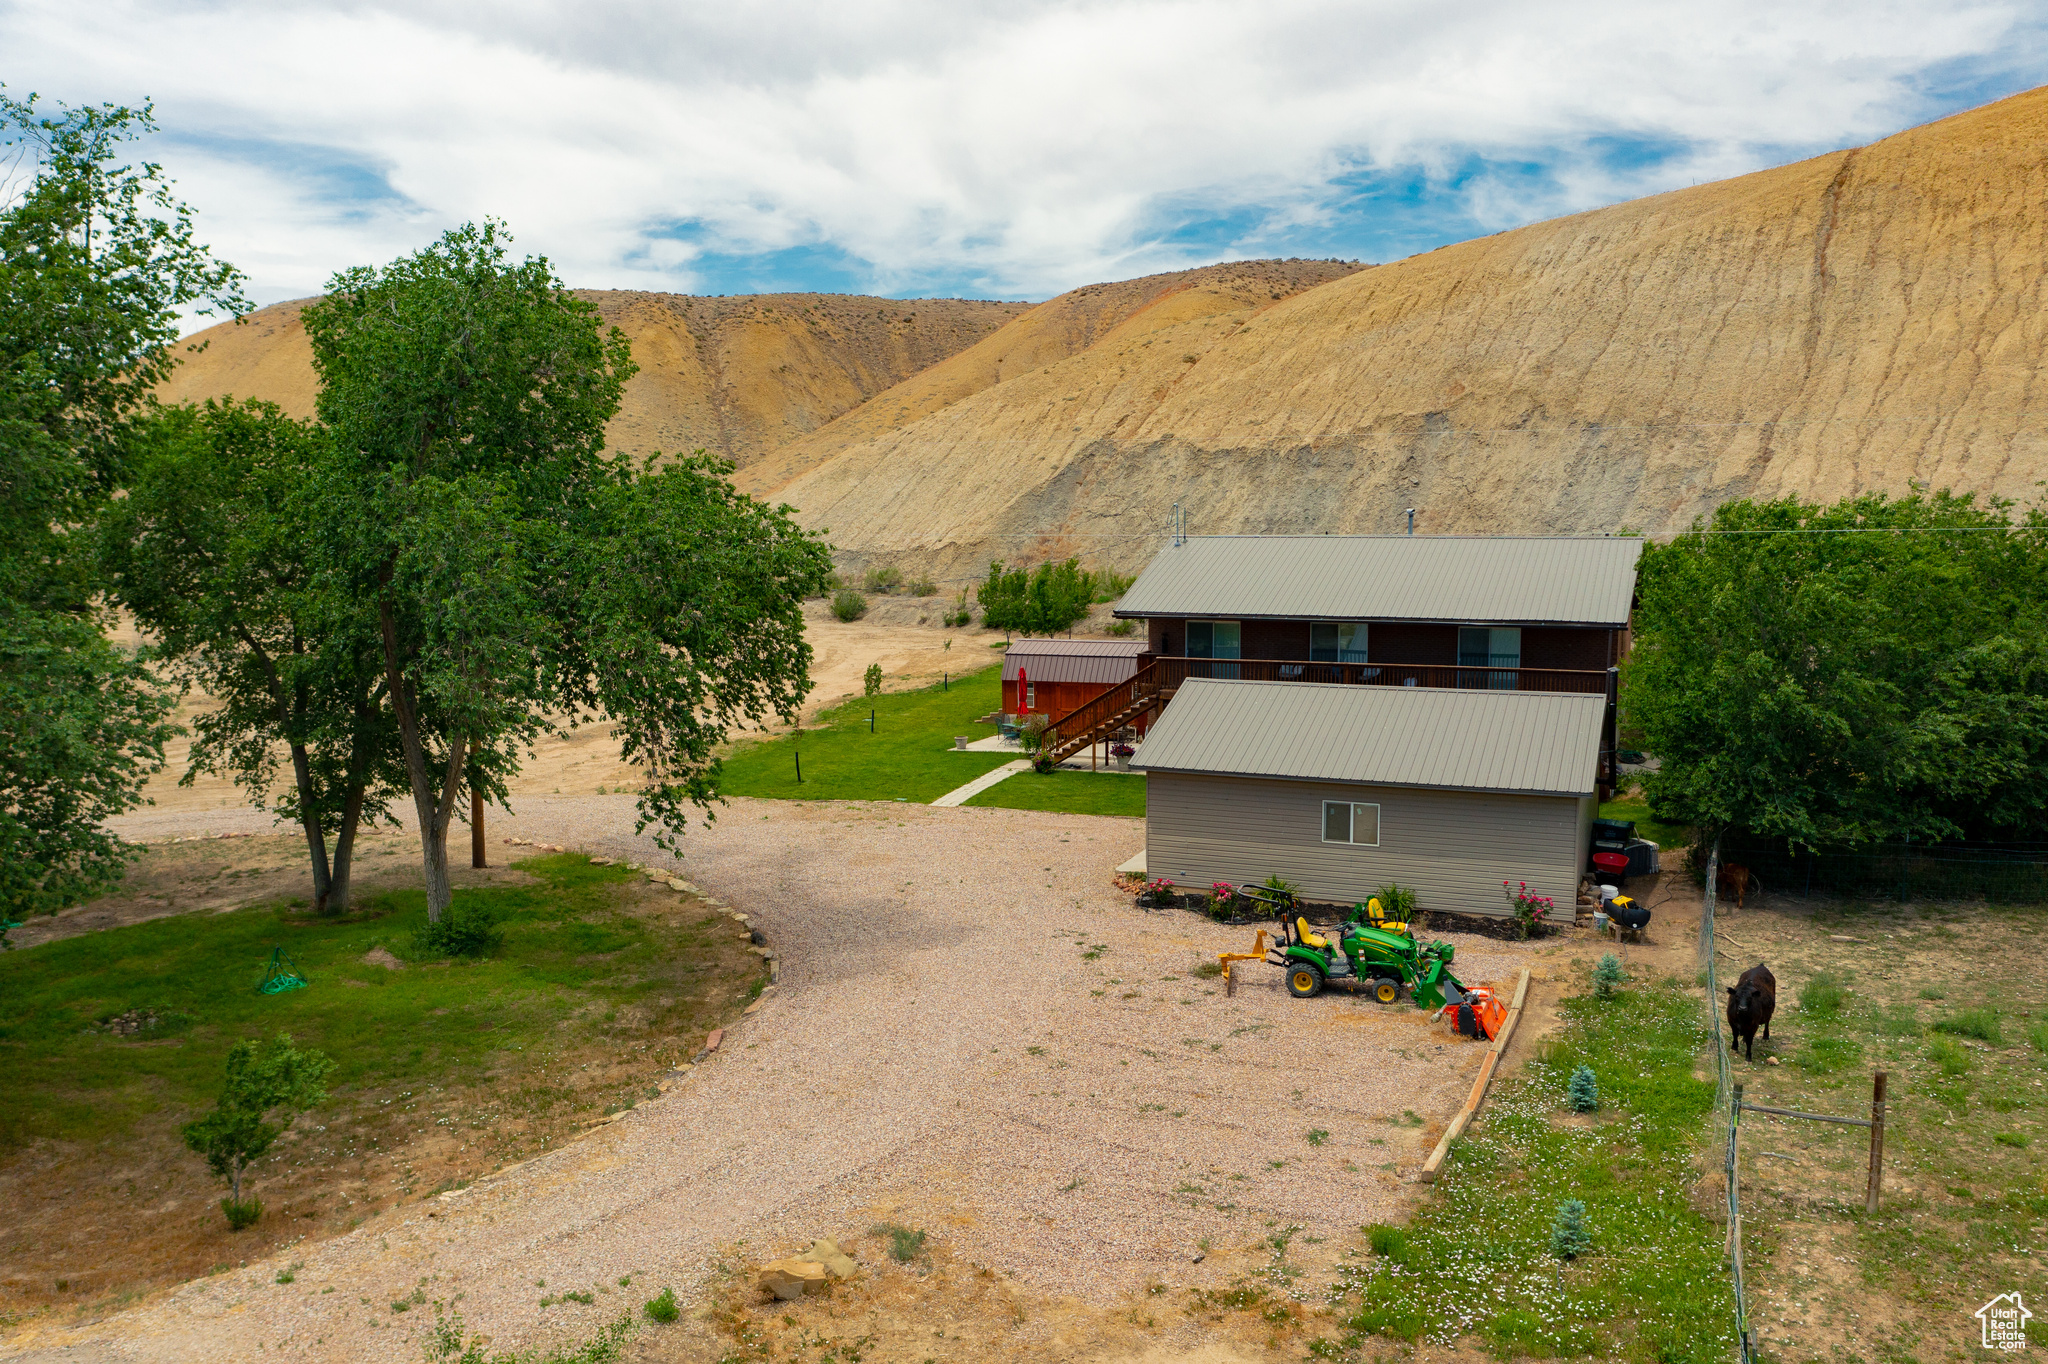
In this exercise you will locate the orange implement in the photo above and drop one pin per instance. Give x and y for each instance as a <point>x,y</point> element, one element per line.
<point>1258,953</point>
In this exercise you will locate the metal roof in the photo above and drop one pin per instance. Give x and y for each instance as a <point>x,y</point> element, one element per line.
<point>1479,579</point>
<point>1526,742</point>
<point>1107,661</point>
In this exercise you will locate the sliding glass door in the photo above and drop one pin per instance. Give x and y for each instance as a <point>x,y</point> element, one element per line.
<point>1215,639</point>
<point>1489,646</point>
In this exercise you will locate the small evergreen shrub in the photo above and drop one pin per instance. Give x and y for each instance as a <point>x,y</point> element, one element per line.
<point>662,1306</point>
<point>1569,1236</point>
<point>241,1212</point>
<point>1582,1095</point>
<point>1607,976</point>
<point>871,681</point>
<point>848,604</point>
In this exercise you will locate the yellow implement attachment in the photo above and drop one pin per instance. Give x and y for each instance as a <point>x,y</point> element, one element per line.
<point>1258,953</point>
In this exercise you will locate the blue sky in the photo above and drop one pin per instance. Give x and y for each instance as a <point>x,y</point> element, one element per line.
<point>1006,150</point>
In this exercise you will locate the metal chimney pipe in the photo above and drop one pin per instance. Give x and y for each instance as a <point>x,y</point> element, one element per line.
<point>1411,520</point>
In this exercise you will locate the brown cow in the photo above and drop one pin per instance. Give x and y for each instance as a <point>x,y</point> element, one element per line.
<point>1733,880</point>
<point>1752,999</point>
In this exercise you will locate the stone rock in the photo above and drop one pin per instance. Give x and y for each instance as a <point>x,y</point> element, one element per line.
<point>751,1007</point>
<point>674,884</point>
<point>1770,1060</point>
<point>600,861</point>
<point>788,1279</point>
<point>836,1262</point>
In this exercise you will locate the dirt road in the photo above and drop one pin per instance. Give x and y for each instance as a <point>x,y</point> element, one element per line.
<point>974,1034</point>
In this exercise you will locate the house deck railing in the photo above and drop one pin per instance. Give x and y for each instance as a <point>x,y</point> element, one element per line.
<point>1170,672</point>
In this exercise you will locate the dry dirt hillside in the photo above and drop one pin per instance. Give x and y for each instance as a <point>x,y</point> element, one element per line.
<point>1049,333</point>
<point>1858,321</point>
<point>739,376</point>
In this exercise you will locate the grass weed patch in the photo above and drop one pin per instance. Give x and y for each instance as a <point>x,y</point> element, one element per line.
<point>1070,793</point>
<point>1981,1024</point>
<point>1477,1258</point>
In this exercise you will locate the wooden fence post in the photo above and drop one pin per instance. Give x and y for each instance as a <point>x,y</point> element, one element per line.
<point>1876,1143</point>
<point>476,828</point>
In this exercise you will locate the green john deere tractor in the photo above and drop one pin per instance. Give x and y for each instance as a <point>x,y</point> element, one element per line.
<point>1370,954</point>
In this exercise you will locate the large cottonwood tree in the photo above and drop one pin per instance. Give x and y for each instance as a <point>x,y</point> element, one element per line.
<point>522,580</point>
<point>97,261</point>
<point>212,549</point>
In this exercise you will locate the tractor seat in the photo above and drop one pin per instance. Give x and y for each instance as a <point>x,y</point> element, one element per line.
<point>1308,936</point>
<point>1379,917</point>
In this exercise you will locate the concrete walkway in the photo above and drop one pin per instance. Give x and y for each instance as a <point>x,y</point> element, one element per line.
<point>959,794</point>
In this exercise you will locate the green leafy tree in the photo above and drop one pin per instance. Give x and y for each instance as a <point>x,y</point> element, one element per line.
<point>97,259</point>
<point>871,681</point>
<point>262,1079</point>
<point>212,551</point>
<point>518,576</point>
<point>1004,598</point>
<point>1060,595</point>
<point>1862,672</point>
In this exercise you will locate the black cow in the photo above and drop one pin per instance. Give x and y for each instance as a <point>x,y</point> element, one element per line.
<point>1752,999</point>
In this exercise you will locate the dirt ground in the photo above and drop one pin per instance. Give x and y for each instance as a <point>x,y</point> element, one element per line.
<point>903,634</point>
<point>996,1048</point>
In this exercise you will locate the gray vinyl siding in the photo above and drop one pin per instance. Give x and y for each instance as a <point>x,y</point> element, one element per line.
<point>1453,848</point>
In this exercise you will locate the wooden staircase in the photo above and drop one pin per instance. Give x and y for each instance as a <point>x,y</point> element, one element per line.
<point>1102,716</point>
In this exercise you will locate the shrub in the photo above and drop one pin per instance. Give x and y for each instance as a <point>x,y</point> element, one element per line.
<point>882,581</point>
<point>466,930</point>
<point>1120,628</point>
<point>1396,901</point>
<point>1161,890</point>
<point>871,681</point>
<point>1823,994</point>
<point>662,1306</point>
<point>1569,1236</point>
<point>1981,1024</point>
<point>1607,976</point>
<point>1280,887</point>
<point>848,604</point>
<point>1389,1243</point>
<point>1031,732</point>
<point>905,1243</point>
<point>1529,910</point>
<point>923,587</point>
<point>1582,1095</point>
<point>1222,899</point>
<point>241,1212</point>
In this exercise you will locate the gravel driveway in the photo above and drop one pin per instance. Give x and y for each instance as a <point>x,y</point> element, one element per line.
<point>974,1033</point>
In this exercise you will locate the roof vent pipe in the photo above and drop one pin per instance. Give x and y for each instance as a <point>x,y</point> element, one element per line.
<point>1411,520</point>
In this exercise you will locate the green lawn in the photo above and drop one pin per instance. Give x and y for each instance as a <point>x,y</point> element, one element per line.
<point>1665,836</point>
<point>573,961</point>
<point>908,756</point>
<point>1476,1259</point>
<point>1073,793</point>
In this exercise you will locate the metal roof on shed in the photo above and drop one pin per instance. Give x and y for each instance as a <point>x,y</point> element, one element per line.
<point>1107,661</point>
<point>1504,580</point>
<point>1525,742</point>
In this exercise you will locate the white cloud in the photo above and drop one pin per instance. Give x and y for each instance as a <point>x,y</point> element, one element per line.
<point>1017,149</point>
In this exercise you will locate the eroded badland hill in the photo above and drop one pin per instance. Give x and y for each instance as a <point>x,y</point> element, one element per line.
<point>1862,320</point>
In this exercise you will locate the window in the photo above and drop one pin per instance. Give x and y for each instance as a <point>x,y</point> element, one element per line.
<point>1336,641</point>
<point>1215,639</point>
<point>1347,822</point>
<point>1489,646</point>
<point>1030,695</point>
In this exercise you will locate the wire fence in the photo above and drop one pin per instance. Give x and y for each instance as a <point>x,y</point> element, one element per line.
<point>2009,873</point>
<point>1724,1106</point>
